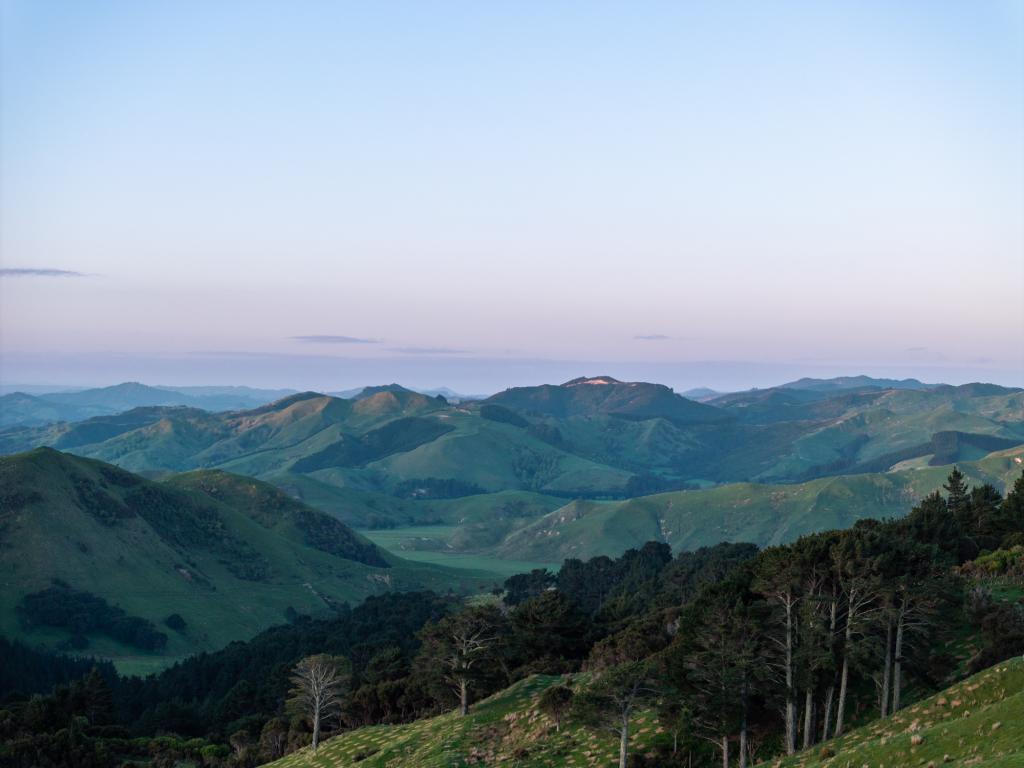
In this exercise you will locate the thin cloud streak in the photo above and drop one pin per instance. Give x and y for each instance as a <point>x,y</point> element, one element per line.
<point>326,339</point>
<point>653,337</point>
<point>17,272</point>
<point>428,351</point>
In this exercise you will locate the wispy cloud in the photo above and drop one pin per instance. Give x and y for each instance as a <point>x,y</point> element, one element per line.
<point>916,350</point>
<point>428,351</point>
<point>326,339</point>
<point>9,272</point>
<point>653,337</point>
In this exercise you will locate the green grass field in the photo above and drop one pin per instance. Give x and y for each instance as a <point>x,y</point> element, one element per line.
<point>426,544</point>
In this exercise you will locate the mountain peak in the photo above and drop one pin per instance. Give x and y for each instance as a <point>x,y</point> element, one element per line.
<point>593,380</point>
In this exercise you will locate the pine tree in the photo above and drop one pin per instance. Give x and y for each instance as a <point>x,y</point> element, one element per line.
<point>958,501</point>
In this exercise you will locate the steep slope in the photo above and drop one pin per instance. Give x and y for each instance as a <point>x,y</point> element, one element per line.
<point>229,555</point>
<point>975,722</point>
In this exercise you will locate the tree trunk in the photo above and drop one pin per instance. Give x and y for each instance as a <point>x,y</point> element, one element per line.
<point>887,670</point>
<point>830,695</point>
<point>463,697</point>
<point>790,694</point>
<point>624,741</point>
<point>844,678</point>
<point>725,752</point>
<point>316,728</point>
<point>897,678</point>
<point>808,718</point>
<point>743,738</point>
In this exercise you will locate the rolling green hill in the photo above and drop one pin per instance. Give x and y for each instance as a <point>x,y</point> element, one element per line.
<point>229,555</point>
<point>771,463</point>
<point>759,513</point>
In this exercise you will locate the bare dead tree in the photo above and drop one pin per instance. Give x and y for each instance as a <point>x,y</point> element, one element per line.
<point>462,644</point>
<point>318,684</point>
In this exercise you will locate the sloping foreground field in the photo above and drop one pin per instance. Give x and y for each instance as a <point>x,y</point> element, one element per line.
<point>979,721</point>
<point>505,729</point>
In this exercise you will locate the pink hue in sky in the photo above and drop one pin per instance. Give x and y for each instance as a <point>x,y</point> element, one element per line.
<point>837,186</point>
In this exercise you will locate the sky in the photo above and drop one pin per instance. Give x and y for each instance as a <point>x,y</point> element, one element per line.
<point>478,195</point>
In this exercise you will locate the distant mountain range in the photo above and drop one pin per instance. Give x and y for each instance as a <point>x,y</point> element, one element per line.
<point>26,409</point>
<point>590,437</point>
<point>38,408</point>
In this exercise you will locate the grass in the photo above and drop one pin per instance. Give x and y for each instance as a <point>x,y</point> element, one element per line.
<point>977,722</point>
<point>506,729</point>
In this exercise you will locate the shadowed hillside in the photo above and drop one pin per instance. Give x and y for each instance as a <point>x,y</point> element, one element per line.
<point>227,555</point>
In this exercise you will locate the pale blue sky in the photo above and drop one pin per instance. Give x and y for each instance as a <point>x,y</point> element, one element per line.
<point>462,187</point>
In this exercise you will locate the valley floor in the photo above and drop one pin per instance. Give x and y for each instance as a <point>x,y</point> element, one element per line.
<point>397,540</point>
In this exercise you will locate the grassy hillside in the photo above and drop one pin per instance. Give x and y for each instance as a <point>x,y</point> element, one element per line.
<point>975,722</point>
<point>505,729</point>
<point>230,555</point>
<point>759,513</point>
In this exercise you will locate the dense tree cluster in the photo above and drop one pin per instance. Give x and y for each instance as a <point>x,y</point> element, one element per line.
<point>743,654</point>
<point>80,612</point>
